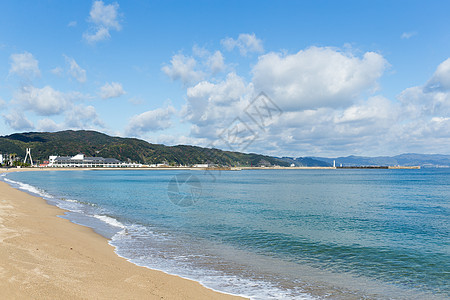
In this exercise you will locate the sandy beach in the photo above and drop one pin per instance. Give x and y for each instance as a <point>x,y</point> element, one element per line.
<point>47,257</point>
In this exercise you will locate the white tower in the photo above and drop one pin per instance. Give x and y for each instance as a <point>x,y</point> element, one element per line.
<point>28,154</point>
<point>334,164</point>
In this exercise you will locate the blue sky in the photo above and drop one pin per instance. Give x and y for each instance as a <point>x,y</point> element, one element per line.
<point>346,77</point>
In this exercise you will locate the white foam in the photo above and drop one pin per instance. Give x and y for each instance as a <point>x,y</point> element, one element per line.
<point>110,221</point>
<point>142,246</point>
<point>29,188</point>
<point>72,201</point>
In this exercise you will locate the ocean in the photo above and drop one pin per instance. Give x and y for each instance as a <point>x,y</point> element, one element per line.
<point>270,234</point>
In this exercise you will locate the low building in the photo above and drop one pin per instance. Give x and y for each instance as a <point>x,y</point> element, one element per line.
<point>201,166</point>
<point>80,161</point>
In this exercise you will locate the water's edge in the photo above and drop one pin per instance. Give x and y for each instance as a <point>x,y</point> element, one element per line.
<point>109,228</point>
<point>302,235</point>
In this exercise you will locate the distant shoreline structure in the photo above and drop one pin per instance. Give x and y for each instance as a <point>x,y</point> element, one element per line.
<point>332,168</point>
<point>143,167</point>
<point>81,161</point>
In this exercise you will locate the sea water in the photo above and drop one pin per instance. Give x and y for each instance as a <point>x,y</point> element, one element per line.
<point>270,234</point>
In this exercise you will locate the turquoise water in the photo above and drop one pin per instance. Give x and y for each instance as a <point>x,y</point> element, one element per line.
<point>274,234</point>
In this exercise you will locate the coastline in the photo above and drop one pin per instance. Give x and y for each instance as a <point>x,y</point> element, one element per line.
<point>46,256</point>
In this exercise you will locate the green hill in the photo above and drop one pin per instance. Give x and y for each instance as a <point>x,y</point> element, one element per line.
<point>92,143</point>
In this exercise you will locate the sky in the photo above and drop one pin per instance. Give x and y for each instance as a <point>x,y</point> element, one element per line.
<point>283,78</point>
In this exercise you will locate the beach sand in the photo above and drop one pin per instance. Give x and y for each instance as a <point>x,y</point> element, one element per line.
<point>43,256</point>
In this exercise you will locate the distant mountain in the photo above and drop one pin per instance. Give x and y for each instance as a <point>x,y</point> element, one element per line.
<point>306,162</point>
<point>409,159</point>
<point>92,143</point>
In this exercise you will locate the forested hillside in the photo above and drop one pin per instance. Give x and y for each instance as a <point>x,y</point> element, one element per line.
<point>92,143</point>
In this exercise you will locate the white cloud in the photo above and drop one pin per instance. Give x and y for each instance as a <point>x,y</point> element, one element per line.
<point>75,70</point>
<point>371,111</point>
<point>152,120</point>
<point>418,122</point>
<point>326,95</point>
<point>82,117</point>
<point>72,24</point>
<point>431,99</point>
<point>419,102</point>
<point>317,77</point>
<point>246,43</point>
<point>329,102</point>
<point>45,101</point>
<point>104,19</point>
<point>111,90</point>
<point>441,78</point>
<point>77,117</point>
<point>216,62</point>
<point>24,65</point>
<point>18,121</point>
<point>217,103</point>
<point>99,35</point>
<point>408,35</point>
<point>200,51</point>
<point>48,125</point>
<point>183,68</point>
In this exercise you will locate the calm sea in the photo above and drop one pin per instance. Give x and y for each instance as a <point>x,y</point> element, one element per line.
<point>273,234</point>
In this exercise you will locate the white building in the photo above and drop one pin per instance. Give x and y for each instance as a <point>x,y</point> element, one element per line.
<point>201,166</point>
<point>1,158</point>
<point>80,161</point>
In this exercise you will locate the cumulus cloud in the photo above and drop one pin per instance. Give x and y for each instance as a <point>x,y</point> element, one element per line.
<point>152,120</point>
<point>216,62</point>
<point>441,78</point>
<point>24,65</point>
<point>418,122</point>
<point>327,97</point>
<point>372,111</point>
<point>183,68</point>
<point>77,117</point>
<point>82,117</point>
<point>75,70</point>
<point>329,102</point>
<point>44,101</point>
<point>432,99</point>
<point>246,43</point>
<point>318,89</point>
<point>419,102</point>
<point>104,19</point>
<point>18,121</point>
<point>317,77</point>
<point>48,125</point>
<point>111,90</point>
<point>211,103</point>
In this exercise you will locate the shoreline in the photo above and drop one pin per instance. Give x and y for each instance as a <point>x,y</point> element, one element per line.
<point>13,169</point>
<point>46,256</point>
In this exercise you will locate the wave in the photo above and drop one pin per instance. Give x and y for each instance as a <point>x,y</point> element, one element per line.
<point>134,243</point>
<point>28,188</point>
<point>110,221</point>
